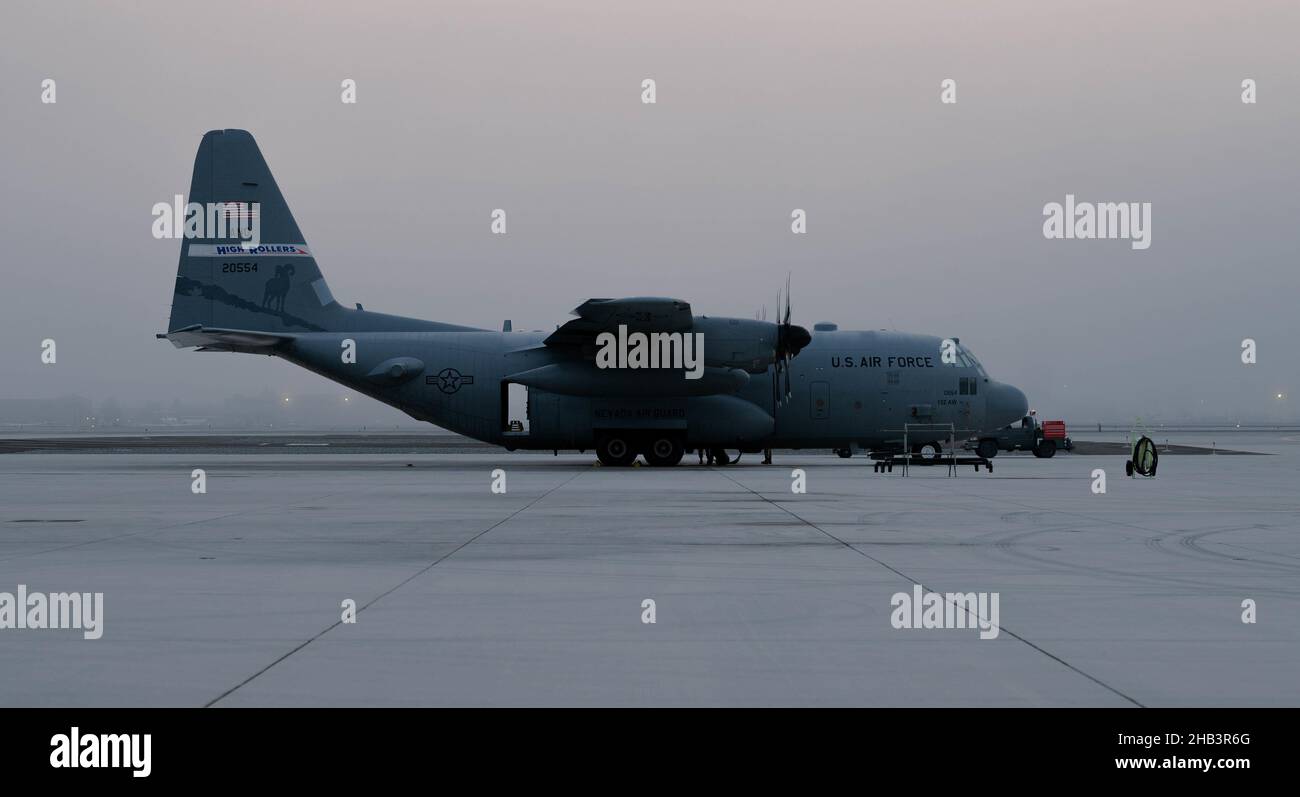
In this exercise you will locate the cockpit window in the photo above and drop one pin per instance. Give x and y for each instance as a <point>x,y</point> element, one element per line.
<point>964,359</point>
<point>967,359</point>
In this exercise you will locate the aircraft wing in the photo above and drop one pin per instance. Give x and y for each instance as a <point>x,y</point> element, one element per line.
<point>216,339</point>
<point>638,313</point>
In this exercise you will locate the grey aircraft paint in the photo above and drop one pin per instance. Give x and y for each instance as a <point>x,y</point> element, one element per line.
<point>846,388</point>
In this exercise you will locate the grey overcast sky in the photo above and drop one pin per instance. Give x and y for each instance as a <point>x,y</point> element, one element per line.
<point>921,216</point>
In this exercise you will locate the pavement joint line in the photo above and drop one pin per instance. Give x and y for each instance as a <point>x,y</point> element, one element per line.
<point>391,590</point>
<point>911,580</point>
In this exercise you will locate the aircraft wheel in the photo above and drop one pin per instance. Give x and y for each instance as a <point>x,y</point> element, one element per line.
<point>616,451</point>
<point>720,457</point>
<point>1045,449</point>
<point>987,449</point>
<point>664,451</point>
<point>844,453</point>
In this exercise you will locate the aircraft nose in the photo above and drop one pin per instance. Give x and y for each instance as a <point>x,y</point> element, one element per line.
<point>1006,404</point>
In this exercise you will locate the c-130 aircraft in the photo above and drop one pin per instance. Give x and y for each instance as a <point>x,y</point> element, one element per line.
<point>763,385</point>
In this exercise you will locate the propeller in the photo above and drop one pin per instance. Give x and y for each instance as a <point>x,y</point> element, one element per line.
<point>790,340</point>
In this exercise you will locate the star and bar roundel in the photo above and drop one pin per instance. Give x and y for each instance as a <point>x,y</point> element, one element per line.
<point>449,380</point>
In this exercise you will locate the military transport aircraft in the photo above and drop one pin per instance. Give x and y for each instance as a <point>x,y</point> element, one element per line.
<point>760,385</point>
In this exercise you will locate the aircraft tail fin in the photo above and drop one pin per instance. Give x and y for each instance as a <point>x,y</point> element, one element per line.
<point>244,264</point>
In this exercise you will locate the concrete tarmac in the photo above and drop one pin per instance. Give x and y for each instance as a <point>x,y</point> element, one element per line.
<point>762,596</point>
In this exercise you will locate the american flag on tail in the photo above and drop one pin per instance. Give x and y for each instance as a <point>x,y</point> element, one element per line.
<point>239,211</point>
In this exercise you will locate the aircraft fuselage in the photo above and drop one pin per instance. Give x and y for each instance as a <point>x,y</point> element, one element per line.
<point>846,388</point>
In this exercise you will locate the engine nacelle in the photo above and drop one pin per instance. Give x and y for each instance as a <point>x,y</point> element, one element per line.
<point>737,343</point>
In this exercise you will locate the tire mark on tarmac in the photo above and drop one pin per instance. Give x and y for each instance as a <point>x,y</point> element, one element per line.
<point>911,580</point>
<point>391,590</point>
<point>1150,542</point>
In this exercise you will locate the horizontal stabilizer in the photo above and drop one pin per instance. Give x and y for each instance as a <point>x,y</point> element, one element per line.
<point>213,339</point>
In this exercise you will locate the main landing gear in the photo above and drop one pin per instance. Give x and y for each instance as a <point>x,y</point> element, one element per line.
<point>616,450</point>
<point>620,449</point>
<point>663,451</point>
